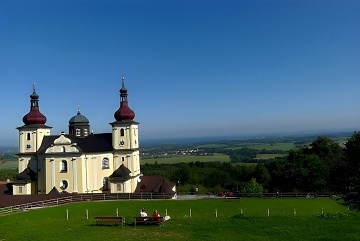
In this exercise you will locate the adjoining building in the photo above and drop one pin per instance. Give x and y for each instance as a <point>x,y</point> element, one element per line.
<point>80,161</point>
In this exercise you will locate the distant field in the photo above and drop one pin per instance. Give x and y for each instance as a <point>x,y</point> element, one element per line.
<point>284,146</point>
<point>269,156</point>
<point>8,164</point>
<point>187,159</point>
<point>214,219</point>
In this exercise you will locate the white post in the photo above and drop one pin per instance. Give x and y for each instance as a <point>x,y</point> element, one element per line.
<point>268,212</point>
<point>190,212</point>
<point>216,213</point>
<point>67,214</point>
<point>322,210</point>
<point>87,214</point>
<point>117,212</point>
<point>165,212</point>
<point>241,211</point>
<point>294,212</point>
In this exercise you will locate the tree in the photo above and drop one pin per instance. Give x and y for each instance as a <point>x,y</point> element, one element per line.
<point>252,187</point>
<point>352,158</point>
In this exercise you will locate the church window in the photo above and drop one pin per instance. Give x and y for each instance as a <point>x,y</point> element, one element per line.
<point>77,132</point>
<point>122,132</point>
<point>105,183</point>
<point>122,159</point>
<point>118,187</point>
<point>28,136</point>
<point>105,163</point>
<point>20,190</point>
<point>63,166</point>
<point>64,184</point>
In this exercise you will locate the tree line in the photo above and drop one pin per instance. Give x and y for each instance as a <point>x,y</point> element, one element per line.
<point>322,166</point>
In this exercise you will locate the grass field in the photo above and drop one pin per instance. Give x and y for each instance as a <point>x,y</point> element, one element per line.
<point>187,159</point>
<point>284,146</point>
<point>8,164</point>
<point>269,156</point>
<point>337,223</point>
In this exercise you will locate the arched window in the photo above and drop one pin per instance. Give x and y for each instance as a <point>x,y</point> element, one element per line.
<point>105,183</point>
<point>122,132</point>
<point>122,159</point>
<point>105,163</point>
<point>78,133</point>
<point>63,166</point>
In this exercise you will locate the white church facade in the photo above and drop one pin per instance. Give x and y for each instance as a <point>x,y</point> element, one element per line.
<point>79,161</point>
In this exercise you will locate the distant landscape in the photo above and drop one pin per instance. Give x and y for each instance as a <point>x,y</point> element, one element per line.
<point>205,149</point>
<point>266,164</point>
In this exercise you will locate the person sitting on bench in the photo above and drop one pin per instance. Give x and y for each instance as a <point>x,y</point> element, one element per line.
<point>156,215</point>
<point>143,213</point>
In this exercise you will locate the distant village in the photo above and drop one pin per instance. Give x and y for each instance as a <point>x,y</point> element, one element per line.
<point>172,153</point>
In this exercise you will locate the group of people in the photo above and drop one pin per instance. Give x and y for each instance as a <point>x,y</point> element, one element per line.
<point>144,214</point>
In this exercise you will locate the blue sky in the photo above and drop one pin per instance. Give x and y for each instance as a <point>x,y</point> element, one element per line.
<point>192,68</point>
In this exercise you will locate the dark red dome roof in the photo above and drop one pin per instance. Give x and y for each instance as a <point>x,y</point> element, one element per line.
<point>124,112</point>
<point>34,116</point>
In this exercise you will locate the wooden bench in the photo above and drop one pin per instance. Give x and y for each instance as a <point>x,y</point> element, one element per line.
<point>108,219</point>
<point>149,220</point>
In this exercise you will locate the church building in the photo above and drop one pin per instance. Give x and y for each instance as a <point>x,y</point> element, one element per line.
<point>79,161</point>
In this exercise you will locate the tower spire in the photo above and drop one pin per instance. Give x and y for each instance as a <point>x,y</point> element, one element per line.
<point>34,116</point>
<point>124,112</point>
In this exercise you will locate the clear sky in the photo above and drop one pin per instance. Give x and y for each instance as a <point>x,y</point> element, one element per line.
<point>193,68</point>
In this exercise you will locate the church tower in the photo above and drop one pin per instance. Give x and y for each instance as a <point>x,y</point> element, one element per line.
<point>125,142</point>
<point>31,135</point>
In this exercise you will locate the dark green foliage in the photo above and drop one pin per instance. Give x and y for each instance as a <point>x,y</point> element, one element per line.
<point>352,176</point>
<point>6,174</point>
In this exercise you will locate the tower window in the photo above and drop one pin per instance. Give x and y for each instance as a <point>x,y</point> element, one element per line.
<point>63,166</point>
<point>122,132</point>
<point>118,187</point>
<point>122,159</point>
<point>105,163</point>
<point>20,190</point>
<point>85,132</point>
<point>77,132</point>
<point>28,136</point>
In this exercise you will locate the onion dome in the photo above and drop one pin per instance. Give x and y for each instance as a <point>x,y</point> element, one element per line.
<point>124,112</point>
<point>78,118</point>
<point>34,117</point>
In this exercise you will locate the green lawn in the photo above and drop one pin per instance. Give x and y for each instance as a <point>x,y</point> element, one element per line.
<point>187,159</point>
<point>337,223</point>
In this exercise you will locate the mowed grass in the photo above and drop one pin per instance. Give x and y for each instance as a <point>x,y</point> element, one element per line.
<point>187,159</point>
<point>338,223</point>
